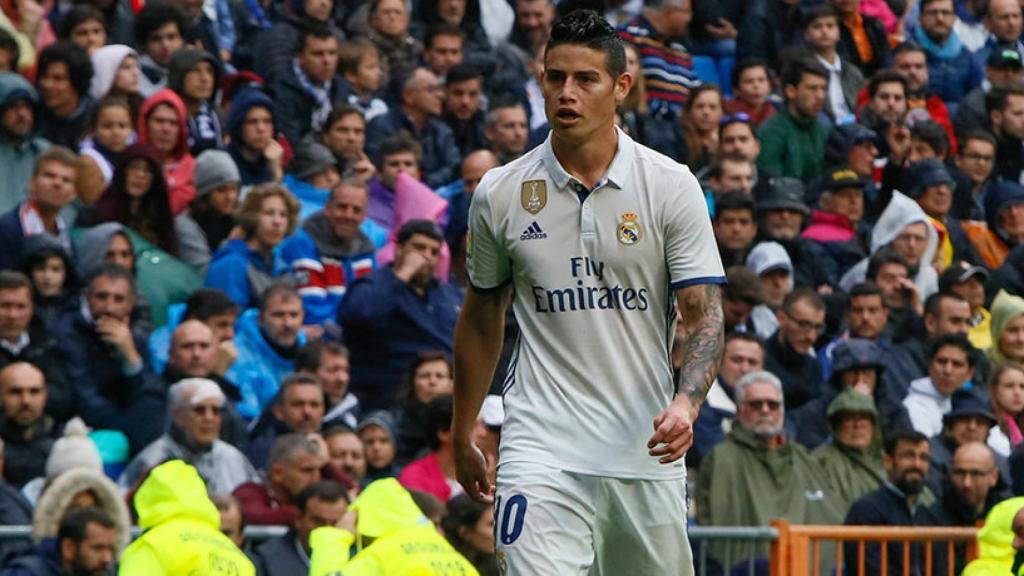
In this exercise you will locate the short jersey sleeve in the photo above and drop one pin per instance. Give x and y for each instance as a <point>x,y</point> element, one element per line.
<point>691,253</point>
<point>487,259</point>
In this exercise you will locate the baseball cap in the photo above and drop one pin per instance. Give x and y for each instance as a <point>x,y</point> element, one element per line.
<point>844,178</point>
<point>784,193</point>
<point>960,271</point>
<point>769,256</point>
<point>1006,58</point>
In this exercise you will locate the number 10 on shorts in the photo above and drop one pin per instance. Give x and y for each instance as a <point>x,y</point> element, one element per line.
<point>508,520</point>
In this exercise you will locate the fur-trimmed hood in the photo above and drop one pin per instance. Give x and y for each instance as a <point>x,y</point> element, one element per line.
<point>55,499</point>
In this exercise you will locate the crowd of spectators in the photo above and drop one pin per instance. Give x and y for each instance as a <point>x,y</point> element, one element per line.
<point>234,234</point>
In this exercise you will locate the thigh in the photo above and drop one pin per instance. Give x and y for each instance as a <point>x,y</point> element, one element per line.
<point>641,528</point>
<point>543,523</point>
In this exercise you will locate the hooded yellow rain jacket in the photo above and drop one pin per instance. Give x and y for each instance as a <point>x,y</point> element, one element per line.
<point>405,543</point>
<point>181,526</point>
<point>995,541</point>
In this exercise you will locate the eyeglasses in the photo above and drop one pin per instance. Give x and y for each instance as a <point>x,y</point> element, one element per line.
<point>200,409</point>
<point>979,158</point>
<point>735,117</point>
<point>759,405</point>
<point>807,325</point>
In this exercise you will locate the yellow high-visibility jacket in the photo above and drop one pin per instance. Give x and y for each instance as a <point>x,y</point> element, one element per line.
<point>182,529</point>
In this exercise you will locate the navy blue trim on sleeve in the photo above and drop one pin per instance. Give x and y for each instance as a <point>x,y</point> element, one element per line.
<point>700,280</point>
<point>485,291</point>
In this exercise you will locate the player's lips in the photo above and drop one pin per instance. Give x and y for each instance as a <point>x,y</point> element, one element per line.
<point>567,114</point>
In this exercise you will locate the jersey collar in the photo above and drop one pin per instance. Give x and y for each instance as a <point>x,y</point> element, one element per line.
<point>617,174</point>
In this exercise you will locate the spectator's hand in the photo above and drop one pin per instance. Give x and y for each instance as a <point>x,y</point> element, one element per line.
<point>348,521</point>
<point>274,153</point>
<point>412,264</point>
<point>224,357</point>
<point>673,430</point>
<point>913,297</point>
<point>313,331</point>
<point>118,334</point>
<point>30,18</point>
<point>471,469</point>
<point>898,137</point>
<point>825,290</point>
<point>363,169</point>
<point>725,30</point>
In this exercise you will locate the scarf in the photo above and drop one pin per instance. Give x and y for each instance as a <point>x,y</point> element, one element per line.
<point>951,49</point>
<point>1013,431</point>
<point>322,108</point>
<point>204,130</point>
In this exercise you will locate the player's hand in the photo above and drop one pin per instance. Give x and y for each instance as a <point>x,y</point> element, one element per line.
<point>471,469</point>
<point>673,431</point>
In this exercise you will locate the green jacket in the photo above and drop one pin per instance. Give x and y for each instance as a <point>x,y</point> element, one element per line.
<point>742,483</point>
<point>851,472</point>
<point>181,529</point>
<point>405,543</point>
<point>995,541</point>
<point>791,146</point>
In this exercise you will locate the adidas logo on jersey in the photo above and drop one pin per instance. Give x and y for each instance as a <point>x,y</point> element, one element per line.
<point>533,233</point>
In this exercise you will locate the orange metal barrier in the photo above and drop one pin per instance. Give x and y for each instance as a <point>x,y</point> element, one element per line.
<point>798,549</point>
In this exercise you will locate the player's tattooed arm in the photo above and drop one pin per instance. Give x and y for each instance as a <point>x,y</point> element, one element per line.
<point>700,308</point>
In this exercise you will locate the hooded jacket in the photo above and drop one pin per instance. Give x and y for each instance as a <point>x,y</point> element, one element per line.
<point>181,529</point>
<point>900,213</point>
<point>18,158</point>
<point>259,369</point>
<point>56,500</point>
<point>324,267</point>
<point>988,238</point>
<point>105,62</point>
<point>242,273</point>
<point>257,172</point>
<point>204,129</point>
<point>1005,308</point>
<point>405,542</point>
<point>179,165</point>
<point>995,541</point>
<point>853,472</point>
<point>926,406</point>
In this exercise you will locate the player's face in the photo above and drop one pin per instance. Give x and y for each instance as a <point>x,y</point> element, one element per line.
<point>580,95</point>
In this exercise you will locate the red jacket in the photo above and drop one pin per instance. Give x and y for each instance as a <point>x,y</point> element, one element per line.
<point>261,508</point>
<point>936,110</point>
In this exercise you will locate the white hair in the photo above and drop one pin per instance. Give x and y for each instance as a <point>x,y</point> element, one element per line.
<point>195,390</point>
<point>751,378</point>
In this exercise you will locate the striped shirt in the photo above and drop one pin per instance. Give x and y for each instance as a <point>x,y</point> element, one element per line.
<point>667,67</point>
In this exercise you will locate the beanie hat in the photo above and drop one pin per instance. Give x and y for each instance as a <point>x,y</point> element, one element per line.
<point>215,168</point>
<point>311,159</point>
<point>73,450</point>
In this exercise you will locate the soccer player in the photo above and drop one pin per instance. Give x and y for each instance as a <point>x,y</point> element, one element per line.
<point>599,237</point>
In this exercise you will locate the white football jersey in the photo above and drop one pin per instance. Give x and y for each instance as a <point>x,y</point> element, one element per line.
<point>594,274</point>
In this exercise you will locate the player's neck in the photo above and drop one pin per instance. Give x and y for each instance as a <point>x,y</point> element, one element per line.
<point>587,159</point>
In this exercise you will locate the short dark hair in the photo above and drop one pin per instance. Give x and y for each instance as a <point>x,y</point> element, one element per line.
<point>955,341</point>
<point>592,30</point>
<point>907,47</point>
<point>399,143</point>
<point>279,289</point>
<point>909,435</point>
<point>14,280</point>
<point>75,524</point>
<point>715,171</point>
<point>747,64</point>
<point>340,110</point>
<point>886,76</point>
<point>153,16</point>
<point>411,228</point>
<point>74,57</point>
<point>311,355</point>
<point>462,72</point>
<point>734,200</point>
<point>113,272</point>
<point>439,417</point>
<point>794,70</point>
<point>205,303</point>
<point>312,29</point>
<point>924,3</point>
<point>295,379</point>
<point>813,12</point>
<point>999,98</point>
<point>976,134</point>
<point>805,295</point>
<point>861,290</point>
<point>884,256</point>
<point>933,303</point>
<point>442,29</point>
<point>58,154</point>
<point>79,13</point>
<point>933,135</point>
<point>10,44</point>
<point>744,336</point>
<point>323,490</point>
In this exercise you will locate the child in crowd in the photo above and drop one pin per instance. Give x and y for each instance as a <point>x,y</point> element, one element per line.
<point>194,75</point>
<point>821,33</point>
<point>111,134</point>
<point>752,89</point>
<point>359,62</point>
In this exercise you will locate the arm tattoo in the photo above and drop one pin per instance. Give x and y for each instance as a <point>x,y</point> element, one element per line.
<point>701,310</point>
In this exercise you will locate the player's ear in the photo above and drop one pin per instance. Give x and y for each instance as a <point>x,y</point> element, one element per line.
<point>623,85</point>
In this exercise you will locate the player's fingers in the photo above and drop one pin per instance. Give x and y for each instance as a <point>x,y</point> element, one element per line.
<point>662,430</point>
<point>674,445</point>
<point>679,448</point>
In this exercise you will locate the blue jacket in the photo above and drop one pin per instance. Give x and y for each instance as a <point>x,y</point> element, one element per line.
<point>258,370</point>
<point>441,157</point>
<point>312,200</point>
<point>323,269</point>
<point>241,273</point>
<point>951,73</point>
<point>386,324</point>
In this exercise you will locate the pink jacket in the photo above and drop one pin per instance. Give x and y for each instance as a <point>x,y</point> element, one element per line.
<point>414,200</point>
<point>425,475</point>
<point>829,227</point>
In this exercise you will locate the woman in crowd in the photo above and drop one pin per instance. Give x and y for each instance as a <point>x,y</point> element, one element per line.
<point>84,25</point>
<point>137,198</point>
<point>633,113</point>
<point>1007,329</point>
<point>116,72</point>
<point>210,217</point>
<point>163,124</point>
<point>469,527</point>
<point>244,267</point>
<point>377,432</point>
<point>1006,386</point>
<point>430,376</point>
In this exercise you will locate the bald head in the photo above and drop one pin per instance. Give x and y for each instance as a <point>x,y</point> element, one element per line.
<point>475,166</point>
<point>1003,19</point>
<point>192,349</point>
<point>973,473</point>
<point>22,393</point>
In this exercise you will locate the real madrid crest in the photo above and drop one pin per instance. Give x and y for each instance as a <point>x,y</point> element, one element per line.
<point>629,231</point>
<point>534,195</point>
